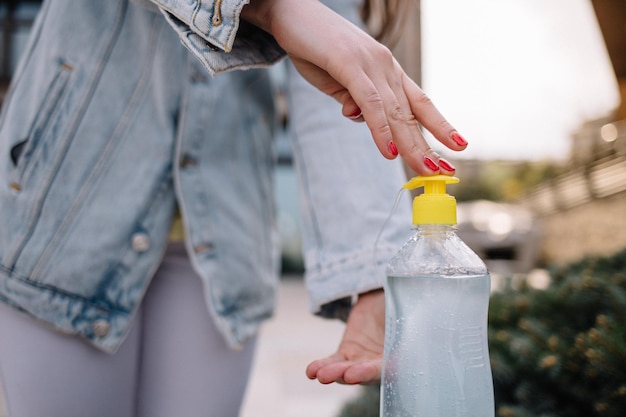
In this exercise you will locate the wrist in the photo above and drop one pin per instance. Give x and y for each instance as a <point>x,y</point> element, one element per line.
<point>285,19</point>
<point>258,13</point>
<point>371,293</point>
<point>369,298</point>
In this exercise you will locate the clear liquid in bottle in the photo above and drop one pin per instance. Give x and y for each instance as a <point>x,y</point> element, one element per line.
<point>436,354</point>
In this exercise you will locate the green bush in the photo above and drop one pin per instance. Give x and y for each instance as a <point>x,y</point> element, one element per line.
<point>558,352</point>
<point>367,404</point>
<point>562,351</point>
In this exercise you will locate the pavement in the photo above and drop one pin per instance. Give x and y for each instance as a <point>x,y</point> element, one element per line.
<point>278,386</point>
<point>3,412</point>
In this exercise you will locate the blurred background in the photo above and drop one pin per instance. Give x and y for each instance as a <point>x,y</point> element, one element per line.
<point>534,86</point>
<point>537,87</point>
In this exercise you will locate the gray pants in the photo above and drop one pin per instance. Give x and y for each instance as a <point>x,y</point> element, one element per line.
<point>173,363</point>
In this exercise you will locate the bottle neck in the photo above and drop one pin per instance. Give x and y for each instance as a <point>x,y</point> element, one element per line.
<point>429,229</point>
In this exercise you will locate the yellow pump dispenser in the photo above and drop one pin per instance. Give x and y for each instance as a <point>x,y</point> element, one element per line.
<point>434,206</point>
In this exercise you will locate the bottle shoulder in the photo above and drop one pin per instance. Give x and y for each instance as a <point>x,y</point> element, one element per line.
<point>436,254</point>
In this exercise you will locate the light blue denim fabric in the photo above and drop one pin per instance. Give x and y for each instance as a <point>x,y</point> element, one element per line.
<point>208,29</point>
<point>110,123</point>
<point>347,190</point>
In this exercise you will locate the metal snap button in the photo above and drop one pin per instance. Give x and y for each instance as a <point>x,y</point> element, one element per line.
<point>204,248</point>
<point>140,242</point>
<point>101,328</point>
<point>187,161</point>
<point>198,77</point>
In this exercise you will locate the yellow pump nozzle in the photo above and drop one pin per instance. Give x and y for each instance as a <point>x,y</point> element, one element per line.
<point>434,206</point>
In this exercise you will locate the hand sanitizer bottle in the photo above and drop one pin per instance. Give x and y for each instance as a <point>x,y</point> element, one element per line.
<point>436,359</point>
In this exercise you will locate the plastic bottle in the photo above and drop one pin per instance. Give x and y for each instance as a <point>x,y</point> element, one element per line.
<point>436,359</point>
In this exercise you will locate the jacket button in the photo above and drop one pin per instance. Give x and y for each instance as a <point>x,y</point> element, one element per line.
<point>140,242</point>
<point>15,186</point>
<point>203,248</point>
<point>101,328</point>
<point>187,161</point>
<point>198,77</point>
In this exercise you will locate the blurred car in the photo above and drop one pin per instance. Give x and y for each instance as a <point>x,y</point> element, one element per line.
<point>505,236</point>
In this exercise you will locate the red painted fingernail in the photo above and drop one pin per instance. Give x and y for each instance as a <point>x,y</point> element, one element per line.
<point>431,164</point>
<point>446,165</point>
<point>458,139</point>
<point>357,113</point>
<point>392,148</point>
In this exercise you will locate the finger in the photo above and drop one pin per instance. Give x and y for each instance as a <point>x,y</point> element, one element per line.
<point>405,128</point>
<point>362,83</point>
<point>446,167</point>
<point>352,111</point>
<point>389,116</point>
<point>393,130</point>
<point>369,100</point>
<point>364,372</point>
<point>419,150</point>
<point>313,368</point>
<point>328,85</point>
<point>349,108</point>
<point>416,152</point>
<point>333,372</point>
<point>350,372</point>
<point>430,117</point>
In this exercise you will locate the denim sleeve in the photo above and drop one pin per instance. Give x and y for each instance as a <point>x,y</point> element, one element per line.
<point>213,32</point>
<point>347,191</point>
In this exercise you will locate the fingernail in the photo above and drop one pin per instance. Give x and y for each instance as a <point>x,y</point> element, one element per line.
<point>446,165</point>
<point>392,148</point>
<point>356,114</point>
<point>432,165</point>
<point>458,139</point>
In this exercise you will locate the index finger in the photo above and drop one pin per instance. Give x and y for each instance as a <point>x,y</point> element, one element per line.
<point>431,118</point>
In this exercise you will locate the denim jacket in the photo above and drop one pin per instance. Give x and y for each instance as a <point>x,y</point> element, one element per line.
<point>110,124</point>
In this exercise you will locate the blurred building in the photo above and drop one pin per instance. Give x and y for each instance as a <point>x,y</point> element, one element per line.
<point>583,210</point>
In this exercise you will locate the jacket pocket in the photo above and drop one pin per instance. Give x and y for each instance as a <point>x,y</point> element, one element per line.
<point>16,151</point>
<point>27,152</point>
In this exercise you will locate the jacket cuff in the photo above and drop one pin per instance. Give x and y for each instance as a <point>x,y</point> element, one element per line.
<point>330,297</point>
<point>214,33</point>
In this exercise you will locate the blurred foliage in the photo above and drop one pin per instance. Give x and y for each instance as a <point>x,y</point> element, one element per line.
<point>558,352</point>
<point>561,352</point>
<point>367,404</point>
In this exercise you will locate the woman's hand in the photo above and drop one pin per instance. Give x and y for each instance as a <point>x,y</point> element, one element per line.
<point>344,62</point>
<point>359,357</point>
